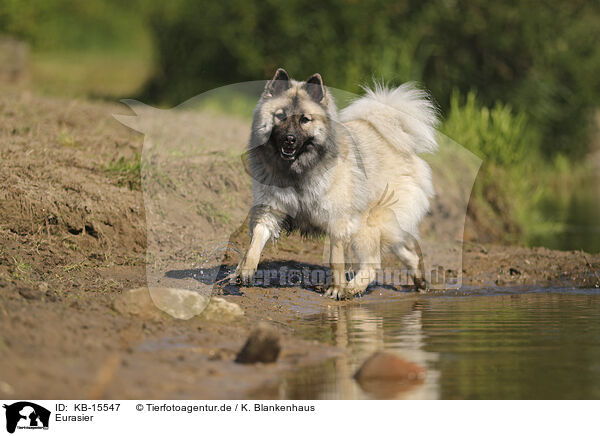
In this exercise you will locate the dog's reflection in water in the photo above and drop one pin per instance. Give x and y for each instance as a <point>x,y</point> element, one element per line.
<point>361,331</point>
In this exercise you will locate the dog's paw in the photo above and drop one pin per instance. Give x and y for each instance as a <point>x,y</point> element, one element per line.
<point>345,294</point>
<point>242,276</point>
<point>339,293</point>
<point>331,292</point>
<point>421,285</point>
<point>353,289</point>
<point>335,292</point>
<point>233,279</point>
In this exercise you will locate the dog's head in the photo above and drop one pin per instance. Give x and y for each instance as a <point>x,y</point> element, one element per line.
<point>293,122</point>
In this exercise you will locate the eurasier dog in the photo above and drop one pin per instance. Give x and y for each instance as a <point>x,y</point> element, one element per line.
<point>354,175</point>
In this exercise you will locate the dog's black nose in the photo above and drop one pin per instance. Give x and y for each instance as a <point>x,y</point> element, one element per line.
<point>290,139</point>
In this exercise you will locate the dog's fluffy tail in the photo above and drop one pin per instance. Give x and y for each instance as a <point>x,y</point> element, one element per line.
<point>404,116</point>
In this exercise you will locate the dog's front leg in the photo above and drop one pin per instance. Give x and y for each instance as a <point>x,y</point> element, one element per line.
<point>247,266</point>
<point>338,269</point>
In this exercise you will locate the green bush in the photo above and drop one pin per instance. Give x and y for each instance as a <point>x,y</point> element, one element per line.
<point>508,144</point>
<point>497,135</point>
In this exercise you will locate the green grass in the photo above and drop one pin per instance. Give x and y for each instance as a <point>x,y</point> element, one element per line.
<point>126,171</point>
<point>22,270</point>
<point>213,214</point>
<point>67,140</point>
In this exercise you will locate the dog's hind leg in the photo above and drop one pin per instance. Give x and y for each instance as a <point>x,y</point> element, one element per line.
<point>413,261</point>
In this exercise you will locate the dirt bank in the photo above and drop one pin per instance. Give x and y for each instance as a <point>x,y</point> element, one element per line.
<point>73,235</point>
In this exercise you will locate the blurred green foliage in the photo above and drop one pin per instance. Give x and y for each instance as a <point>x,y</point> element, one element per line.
<point>70,25</point>
<point>542,58</point>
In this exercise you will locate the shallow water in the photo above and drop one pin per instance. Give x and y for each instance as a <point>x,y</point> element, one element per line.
<point>534,344</point>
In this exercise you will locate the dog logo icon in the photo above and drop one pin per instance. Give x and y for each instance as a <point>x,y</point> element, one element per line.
<point>26,415</point>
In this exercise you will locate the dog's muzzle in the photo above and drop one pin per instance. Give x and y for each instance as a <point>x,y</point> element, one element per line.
<point>288,149</point>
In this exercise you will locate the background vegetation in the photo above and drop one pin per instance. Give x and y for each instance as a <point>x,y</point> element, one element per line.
<point>517,81</point>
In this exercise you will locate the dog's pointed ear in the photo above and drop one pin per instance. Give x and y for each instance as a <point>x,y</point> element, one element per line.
<point>278,84</point>
<point>315,88</point>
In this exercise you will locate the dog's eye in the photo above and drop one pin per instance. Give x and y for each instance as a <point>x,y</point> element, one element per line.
<point>280,115</point>
<point>304,119</point>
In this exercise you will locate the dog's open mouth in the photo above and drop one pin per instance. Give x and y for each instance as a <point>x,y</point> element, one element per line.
<point>288,153</point>
<point>291,152</point>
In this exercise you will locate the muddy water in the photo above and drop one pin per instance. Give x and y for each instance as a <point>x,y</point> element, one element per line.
<point>534,344</point>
